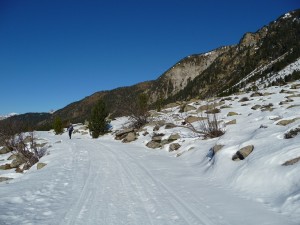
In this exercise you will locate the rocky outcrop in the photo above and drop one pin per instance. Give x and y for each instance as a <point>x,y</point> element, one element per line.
<point>173,137</point>
<point>123,133</point>
<point>5,167</point>
<point>153,144</point>
<point>256,94</point>
<point>286,122</point>
<point>40,165</point>
<point>156,141</point>
<point>267,107</point>
<point>126,135</point>
<point>232,114</point>
<point>251,39</point>
<point>188,108</point>
<point>209,107</point>
<point>295,86</point>
<point>174,147</point>
<point>231,122</point>
<point>243,153</point>
<point>291,162</point>
<point>170,125</point>
<point>178,76</point>
<point>5,179</point>
<point>255,107</point>
<point>18,160</point>
<point>217,148</point>
<point>211,153</point>
<point>132,136</point>
<point>192,119</point>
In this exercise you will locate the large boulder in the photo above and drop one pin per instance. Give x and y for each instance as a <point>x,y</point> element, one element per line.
<point>243,153</point>
<point>231,122</point>
<point>130,137</point>
<point>286,122</point>
<point>255,107</point>
<point>18,160</point>
<point>173,137</point>
<point>295,86</point>
<point>232,114</point>
<point>123,133</point>
<point>291,161</point>
<point>153,144</point>
<point>188,108</point>
<point>209,107</point>
<point>213,111</point>
<point>156,141</point>
<point>5,167</point>
<point>170,125</point>
<point>211,153</point>
<point>5,179</point>
<point>217,148</point>
<point>244,99</point>
<point>157,137</point>
<point>267,107</point>
<point>174,147</point>
<point>172,105</point>
<point>192,119</point>
<point>156,127</point>
<point>256,94</point>
<point>40,165</point>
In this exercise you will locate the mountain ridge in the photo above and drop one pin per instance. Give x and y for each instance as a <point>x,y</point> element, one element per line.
<point>217,72</point>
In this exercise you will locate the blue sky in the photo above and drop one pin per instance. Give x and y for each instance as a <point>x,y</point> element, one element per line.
<point>55,52</point>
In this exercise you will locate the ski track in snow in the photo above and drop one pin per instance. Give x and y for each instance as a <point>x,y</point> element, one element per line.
<point>107,182</point>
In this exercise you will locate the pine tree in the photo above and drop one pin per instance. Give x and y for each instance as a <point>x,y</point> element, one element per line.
<point>58,126</point>
<point>159,104</point>
<point>97,122</point>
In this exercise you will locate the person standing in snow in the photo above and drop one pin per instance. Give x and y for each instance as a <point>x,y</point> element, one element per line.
<point>70,129</point>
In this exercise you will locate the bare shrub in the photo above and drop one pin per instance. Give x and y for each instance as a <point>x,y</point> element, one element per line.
<point>211,127</point>
<point>27,147</point>
<point>292,133</point>
<point>137,110</point>
<point>207,128</point>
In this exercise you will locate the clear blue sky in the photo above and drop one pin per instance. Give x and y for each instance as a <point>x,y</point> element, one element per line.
<point>55,52</point>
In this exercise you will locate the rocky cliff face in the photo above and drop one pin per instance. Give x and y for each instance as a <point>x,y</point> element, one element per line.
<point>257,56</point>
<point>183,72</point>
<point>252,39</point>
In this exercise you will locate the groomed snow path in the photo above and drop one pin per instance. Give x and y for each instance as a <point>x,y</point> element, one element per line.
<point>94,182</point>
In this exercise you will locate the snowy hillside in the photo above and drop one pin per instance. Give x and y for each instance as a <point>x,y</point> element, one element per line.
<point>105,181</point>
<point>2,117</point>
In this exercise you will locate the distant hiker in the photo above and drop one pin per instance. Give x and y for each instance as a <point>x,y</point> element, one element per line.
<point>70,129</point>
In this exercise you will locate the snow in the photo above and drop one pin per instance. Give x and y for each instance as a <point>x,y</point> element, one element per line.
<point>208,53</point>
<point>295,66</point>
<point>8,115</point>
<point>286,16</point>
<point>286,71</point>
<point>105,181</point>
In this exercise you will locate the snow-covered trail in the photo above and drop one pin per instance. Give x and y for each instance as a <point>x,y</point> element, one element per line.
<point>107,182</point>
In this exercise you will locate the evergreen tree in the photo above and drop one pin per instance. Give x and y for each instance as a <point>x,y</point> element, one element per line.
<point>159,104</point>
<point>97,122</point>
<point>58,126</point>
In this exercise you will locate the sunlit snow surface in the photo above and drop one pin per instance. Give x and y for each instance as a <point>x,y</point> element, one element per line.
<point>104,181</point>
